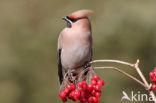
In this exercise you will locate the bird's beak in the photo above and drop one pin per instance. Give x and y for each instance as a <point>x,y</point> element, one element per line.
<point>68,21</point>
<point>65,18</point>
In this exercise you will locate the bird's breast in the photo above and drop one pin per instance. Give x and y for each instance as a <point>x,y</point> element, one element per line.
<point>75,55</point>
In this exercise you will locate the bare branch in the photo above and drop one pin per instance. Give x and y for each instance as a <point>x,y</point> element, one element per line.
<point>144,79</point>
<point>135,66</point>
<point>121,71</point>
<point>112,61</point>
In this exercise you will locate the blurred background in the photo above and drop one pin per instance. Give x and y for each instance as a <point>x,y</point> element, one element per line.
<point>122,29</point>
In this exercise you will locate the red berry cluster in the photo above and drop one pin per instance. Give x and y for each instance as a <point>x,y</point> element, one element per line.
<point>83,92</point>
<point>153,78</point>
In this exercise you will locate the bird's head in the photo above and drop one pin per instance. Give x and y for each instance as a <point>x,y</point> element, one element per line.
<point>76,16</point>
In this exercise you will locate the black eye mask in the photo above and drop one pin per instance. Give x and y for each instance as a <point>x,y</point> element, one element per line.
<point>70,21</point>
<point>73,20</point>
<point>69,25</point>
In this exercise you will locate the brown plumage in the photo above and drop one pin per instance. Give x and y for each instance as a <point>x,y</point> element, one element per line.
<point>75,43</point>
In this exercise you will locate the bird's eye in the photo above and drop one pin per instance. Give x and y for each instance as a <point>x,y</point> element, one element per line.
<point>73,20</point>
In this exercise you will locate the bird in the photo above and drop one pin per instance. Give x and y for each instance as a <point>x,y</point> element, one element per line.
<point>74,47</point>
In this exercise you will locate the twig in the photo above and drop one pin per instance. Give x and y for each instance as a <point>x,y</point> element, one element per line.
<point>121,71</point>
<point>135,66</point>
<point>112,61</point>
<point>144,79</point>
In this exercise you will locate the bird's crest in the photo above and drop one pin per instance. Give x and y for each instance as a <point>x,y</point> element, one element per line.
<point>80,14</point>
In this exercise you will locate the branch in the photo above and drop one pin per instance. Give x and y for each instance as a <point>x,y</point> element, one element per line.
<point>126,74</point>
<point>144,79</point>
<point>135,66</point>
<point>112,61</point>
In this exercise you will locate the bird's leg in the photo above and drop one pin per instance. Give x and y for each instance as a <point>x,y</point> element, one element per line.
<point>71,76</point>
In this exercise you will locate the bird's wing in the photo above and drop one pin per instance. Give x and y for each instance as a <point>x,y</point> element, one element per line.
<point>91,54</point>
<point>60,74</point>
<point>91,40</point>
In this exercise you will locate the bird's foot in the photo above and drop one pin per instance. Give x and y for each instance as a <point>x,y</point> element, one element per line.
<point>71,76</point>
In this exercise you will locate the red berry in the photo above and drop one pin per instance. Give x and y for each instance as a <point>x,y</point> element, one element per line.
<point>90,86</point>
<point>99,91</point>
<point>93,92</point>
<point>83,94</point>
<point>77,94</point>
<point>151,74</point>
<point>154,86</point>
<point>69,87</point>
<point>84,100</point>
<point>66,90</point>
<point>80,84</point>
<point>95,99</point>
<point>84,82</point>
<point>94,87</point>
<point>79,88</point>
<point>72,86</point>
<point>97,87</point>
<point>151,78</point>
<point>84,87</point>
<point>93,82</point>
<point>154,69</point>
<point>70,95</point>
<point>97,94</point>
<point>64,99</point>
<point>76,98</point>
<point>62,94</point>
<point>154,78</point>
<point>87,94</point>
<point>73,99</point>
<point>73,93</point>
<point>90,99</point>
<point>95,77</point>
<point>101,82</point>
